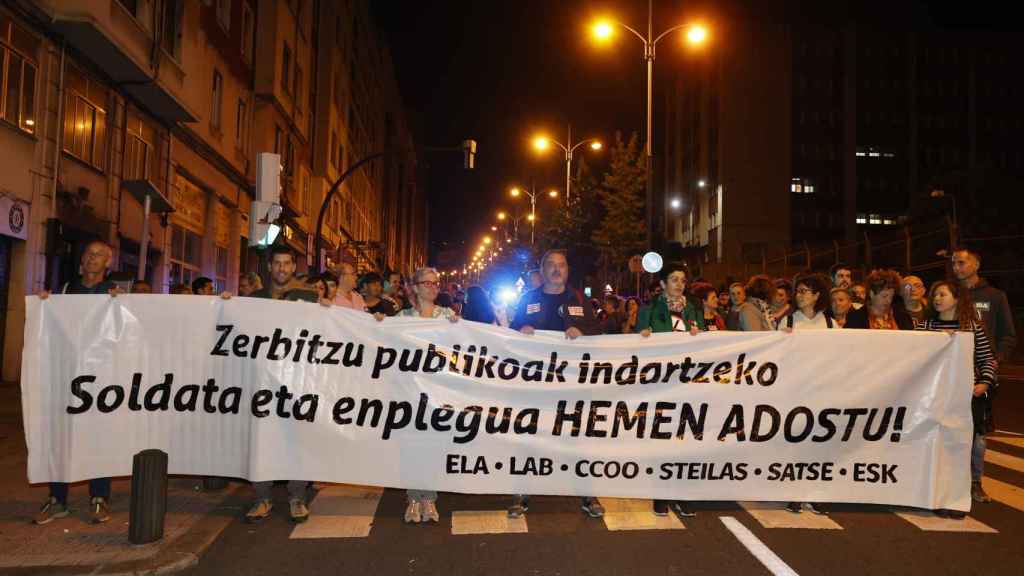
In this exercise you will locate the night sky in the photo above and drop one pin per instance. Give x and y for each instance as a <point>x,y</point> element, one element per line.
<point>500,71</point>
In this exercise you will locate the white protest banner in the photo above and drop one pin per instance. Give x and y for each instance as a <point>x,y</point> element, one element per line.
<point>268,390</point>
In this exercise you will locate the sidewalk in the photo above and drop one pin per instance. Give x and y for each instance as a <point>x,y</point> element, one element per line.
<point>72,545</point>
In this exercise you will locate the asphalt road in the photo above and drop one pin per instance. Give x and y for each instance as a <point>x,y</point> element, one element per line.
<point>724,537</point>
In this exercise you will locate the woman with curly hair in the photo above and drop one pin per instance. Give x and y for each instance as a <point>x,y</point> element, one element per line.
<point>883,309</point>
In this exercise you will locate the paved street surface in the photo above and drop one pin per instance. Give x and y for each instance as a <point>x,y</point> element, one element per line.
<point>359,530</point>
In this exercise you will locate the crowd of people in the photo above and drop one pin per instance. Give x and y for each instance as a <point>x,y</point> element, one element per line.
<point>884,300</point>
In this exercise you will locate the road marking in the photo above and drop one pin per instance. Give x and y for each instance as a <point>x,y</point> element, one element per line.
<point>1010,440</point>
<point>929,522</point>
<point>769,559</point>
<point>1005,493</point>
<point>340,512</point>
<point>1008,432</point>
<point>1004,460</point>
<point>634,514</point>
<point>775,515</point>
<point>487,522</point>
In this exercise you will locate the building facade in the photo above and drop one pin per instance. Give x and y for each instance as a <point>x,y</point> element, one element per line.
<point>108,102</point>
<point>851,132</point>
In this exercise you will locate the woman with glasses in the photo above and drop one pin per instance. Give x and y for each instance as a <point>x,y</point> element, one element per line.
<point>809,313</point>
<point>422,504</point>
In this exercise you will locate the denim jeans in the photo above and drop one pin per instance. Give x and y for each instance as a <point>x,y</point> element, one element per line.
<point>296,489</point>
<point>98,488</point>
<point>978,458</point>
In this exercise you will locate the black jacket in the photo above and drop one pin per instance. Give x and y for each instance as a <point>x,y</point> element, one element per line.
<point>570,309</point>
<point>996,317</point>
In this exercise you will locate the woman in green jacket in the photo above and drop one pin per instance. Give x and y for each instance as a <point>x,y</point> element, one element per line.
<point>671,312</point>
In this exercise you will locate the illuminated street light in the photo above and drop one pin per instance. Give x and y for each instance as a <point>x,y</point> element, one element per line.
<point>514,192</point>
<point>542,143</point>
<point>701,183</point>
<point>553,193</point>
<point>531,217</point>
<point>696,34</point>
<point>494,228</point>
<point>487,239</point>
<point>676,203</point>
<point>501,215</point>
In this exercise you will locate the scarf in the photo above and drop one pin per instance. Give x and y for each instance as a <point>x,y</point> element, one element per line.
<point>675,304</point>
<point>764,308</point>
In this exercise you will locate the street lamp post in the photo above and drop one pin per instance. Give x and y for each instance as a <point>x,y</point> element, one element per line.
<point>696,35</point>
<point>542,142</point>
<point>532,217</point>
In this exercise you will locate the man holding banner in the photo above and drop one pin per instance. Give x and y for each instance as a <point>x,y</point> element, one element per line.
<point>557,307</point>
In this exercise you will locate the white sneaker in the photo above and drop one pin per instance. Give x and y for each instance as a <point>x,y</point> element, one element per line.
<point>429,511</point>
<point>412,512</point>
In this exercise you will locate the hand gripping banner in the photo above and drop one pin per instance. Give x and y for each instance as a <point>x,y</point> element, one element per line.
<point>268,390</point>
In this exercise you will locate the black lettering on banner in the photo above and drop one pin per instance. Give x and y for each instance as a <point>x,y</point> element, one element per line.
<point>257,341</point>
<point>186,398</point>
<point>239,344</point>
<point>421,412</point>
<point>744,373</point>
<point>660,418</point>
<point>703,368</point>
<point>163,390</point>
<point>384,360</point>
<point>103,404</point>
<point>399,415</point>
<point>314,346</point>
<point>305,408</point>
<point>299,343</point>
<point>576,418</point>
<point>721,370</point>
<point>595,418</point>
<point>825,421</point>
<point>209,389</point>
<point>279,341</point>
<point>685,367</point>
<point>883,426</point>
<point>84,397</point>
<point>407,364</point>
<point>526,421</point>
<point>229,400</point>
<point>342,407</point>
<point>485,366</point>
<point>508,369</point>
<point>467,359</point>
<point>626,374</point>
<point>687,419</point>
<point>470,429</point>
<point>440,416</point>
<point>556,371</point>
<point>767,374</point>
<point>646,376</point>
<point>332,350</point>
<point>853,413</point>
<point>260,399</point>
<point>365,407</point>
<point>733,424</point>
<point>498,426</point>
<point>218,348</point>
<point>762,411</point>
<point>133,396</point>
<point>533,371</point>
<point>670,368</point>
<point>791,418</point>
<point>601,370</point>
<point>584,368</point>
<point>623,419</point>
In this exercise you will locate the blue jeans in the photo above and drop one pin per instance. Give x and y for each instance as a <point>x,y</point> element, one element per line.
<point>98,488</point>
<point>978,458</point>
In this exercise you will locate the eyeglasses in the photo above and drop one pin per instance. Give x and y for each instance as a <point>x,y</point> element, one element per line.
<point>805,291</point>
<point>429,283</point>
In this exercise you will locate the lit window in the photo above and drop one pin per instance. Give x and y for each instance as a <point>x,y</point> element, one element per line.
<point>874,219</point>
<point>861,219</point>
<point>889,222</point>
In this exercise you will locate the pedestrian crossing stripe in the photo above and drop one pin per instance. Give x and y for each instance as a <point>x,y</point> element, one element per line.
<point>1004,493</point>
<point>929,522</point>
<point>486,522</point>
<point>632,514</point>
<point>340,512</point>
<point>1010,441</point>
<point>775,515</point>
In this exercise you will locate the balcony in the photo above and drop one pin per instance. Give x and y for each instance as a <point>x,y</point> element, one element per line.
<point>117,36</point>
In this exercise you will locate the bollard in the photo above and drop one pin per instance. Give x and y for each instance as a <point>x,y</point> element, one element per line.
<point>213,483</point>
<point>149,497</point>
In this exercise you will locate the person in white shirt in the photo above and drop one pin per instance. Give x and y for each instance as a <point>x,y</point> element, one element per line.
<point>812,300</point>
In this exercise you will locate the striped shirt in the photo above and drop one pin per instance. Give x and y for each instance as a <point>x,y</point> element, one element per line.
<point>984,360</point>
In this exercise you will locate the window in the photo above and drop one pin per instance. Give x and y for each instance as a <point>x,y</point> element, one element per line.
<point>85,118</point>
<point>289,156</point>
<point>795,186</point>
<point>170,39</point>
<point>241,123</point>
<point>186,248</point>
<point>218,97</point>
<point>247,32</point>
<point>862,219</point>
<point>874,219</point>
<point>223,14</point>
<point>18,50</point>
<point>297,86</point>
<point>334,148</point>
<point>131,6</point>
<point>140,157</point>
<point>286,68</point>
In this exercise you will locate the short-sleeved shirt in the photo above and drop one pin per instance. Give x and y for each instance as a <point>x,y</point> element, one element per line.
<point>356,303</point>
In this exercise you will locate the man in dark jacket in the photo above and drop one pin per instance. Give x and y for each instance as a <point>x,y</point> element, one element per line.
<point>555,306</point>
<point>997,321</point>
<point>989,301</point>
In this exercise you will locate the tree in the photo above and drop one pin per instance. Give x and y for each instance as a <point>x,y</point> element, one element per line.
<point>621,233</point>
